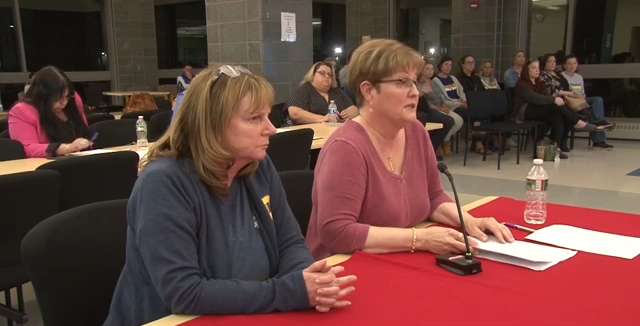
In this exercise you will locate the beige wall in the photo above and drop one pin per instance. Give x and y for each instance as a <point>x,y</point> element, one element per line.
<point>547,36</point>
<point>626,18</point>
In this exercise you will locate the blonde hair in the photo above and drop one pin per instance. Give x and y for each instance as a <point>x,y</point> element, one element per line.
<point>198,128</point>
<point>308,77</point>
<point>378,59</point>
<point>481,70</point>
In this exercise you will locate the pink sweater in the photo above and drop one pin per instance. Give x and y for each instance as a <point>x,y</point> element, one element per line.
<point>24,126</point>
<point>353,189</point>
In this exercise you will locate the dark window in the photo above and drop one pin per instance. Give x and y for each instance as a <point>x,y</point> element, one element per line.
<point>181,34</point>
<point>9,54</point>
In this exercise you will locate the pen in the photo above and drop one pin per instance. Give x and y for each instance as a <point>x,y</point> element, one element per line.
<point>518,227</point>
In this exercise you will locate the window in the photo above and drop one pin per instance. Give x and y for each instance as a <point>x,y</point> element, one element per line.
<point>425,26</point>
<point>548,27</point>
<point>181,34</point>
<point>9,53</point>
<point>621,95</point>
<point>65,34</point>
<point>607,31</point>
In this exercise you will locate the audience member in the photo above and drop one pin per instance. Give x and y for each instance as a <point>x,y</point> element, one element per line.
<point>512,74</point>
<point>309,103</point>
<point>28,84</point>
<point>486,76</point>
<point>376,176</point>
<point>209,227</point>
<point>49,120</point>
<point>467,75</point>
<point>185,79</point>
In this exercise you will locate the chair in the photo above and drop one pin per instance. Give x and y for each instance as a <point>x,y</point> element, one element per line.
<point>163,104</point>
<point>159,124</point>
<point>11,150</point>
<point>74,259</point>
<point>297,186</point>
<point>277,115</point>
<point>114,133</point>
<point>4,125</point>
<point>93,178</point>
<point>146,115</point>
<point>97,117</point>
<point>27,199</point>
<point>485,105</point>
<point>290,150</point>
<point>5,134</point>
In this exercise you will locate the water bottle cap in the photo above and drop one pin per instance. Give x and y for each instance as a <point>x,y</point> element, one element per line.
<point>332,101</point>
<point>140,117</point>
<point>538,161</point>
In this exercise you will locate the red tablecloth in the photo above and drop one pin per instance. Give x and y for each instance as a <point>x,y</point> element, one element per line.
<point>409,289</point>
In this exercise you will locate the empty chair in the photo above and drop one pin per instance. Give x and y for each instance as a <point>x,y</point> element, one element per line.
<point>74,259</point>
<point>27,199</point>
<point>4,125</point>
<point>163,104</point>
<point>114,133</point>
<point>11,150</point>
<point>97,117</point>
<point>146,115</point>
<point>5,134</point>
<point>297,186</point>
<point>290,150</point>
<point>159,124</point>
<point>277,115</point>
<point>93,178</point>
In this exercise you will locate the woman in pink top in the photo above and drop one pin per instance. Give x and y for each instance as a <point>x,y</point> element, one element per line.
<point>50,120</point>
<point>377,177</point>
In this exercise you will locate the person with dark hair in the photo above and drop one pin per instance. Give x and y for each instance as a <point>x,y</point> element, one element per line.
<point>455,102</point>
<point>185,79</point>
<point>532,102</point>
<point>467,74</point>
<point>50,120</point>
<point>28,84</point>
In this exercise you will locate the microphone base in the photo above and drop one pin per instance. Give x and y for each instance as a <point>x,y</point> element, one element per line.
<point>459,264</point>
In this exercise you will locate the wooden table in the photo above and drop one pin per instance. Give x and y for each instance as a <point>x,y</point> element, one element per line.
<point>173,320</point>
<point>4,115</point>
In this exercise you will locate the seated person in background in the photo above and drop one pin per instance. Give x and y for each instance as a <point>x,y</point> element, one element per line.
<point>576,82</point>
<point>512,74</point>
<point>376,176</point>
<point>533,102</point>
<point>209,227</point>
<point>467,75</point>
<point>430,109</point>
<point>309,103</point>
<point>487,78</point>
<point>343,75</point>
<point>185,79</point>
<point>50,120</point>
<point>28,84</point>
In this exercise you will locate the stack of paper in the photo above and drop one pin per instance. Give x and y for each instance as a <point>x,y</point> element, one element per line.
<point>589,241</point>
<point>524,254</point>
<point>92,152</point>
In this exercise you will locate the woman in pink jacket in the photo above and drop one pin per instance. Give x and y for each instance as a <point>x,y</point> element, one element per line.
<point>50,120</point>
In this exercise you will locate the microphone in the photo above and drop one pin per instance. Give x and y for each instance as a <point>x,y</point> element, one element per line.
<point>459,264</point>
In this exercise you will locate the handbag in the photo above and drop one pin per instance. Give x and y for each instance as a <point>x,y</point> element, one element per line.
<point>576,104</point>
<point>140,102</point>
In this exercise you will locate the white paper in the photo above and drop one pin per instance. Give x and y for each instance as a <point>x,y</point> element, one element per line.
<point>92,152</point>
<point>142,153</point>
<point>279,130</point>
<point>587,240</point>
<point>524,254</point>
<point>288,25</point>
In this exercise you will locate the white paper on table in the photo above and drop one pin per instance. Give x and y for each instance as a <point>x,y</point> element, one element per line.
<point>141,153</point>
<point>608,244</point>
<point>92,152</point>
<point>524,254</point>
<point>279,130</point>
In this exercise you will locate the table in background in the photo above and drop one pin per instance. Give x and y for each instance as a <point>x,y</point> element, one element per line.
<point>4,115</point>
<point>410,289</point>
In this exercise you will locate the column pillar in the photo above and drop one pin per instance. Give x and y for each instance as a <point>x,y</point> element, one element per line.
<point>248,33</point>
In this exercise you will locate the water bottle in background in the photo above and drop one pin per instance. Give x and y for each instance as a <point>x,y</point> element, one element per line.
<point>333,113</point>
<point>141,134</point>
<point>1,107</point>
<point>535,211</point>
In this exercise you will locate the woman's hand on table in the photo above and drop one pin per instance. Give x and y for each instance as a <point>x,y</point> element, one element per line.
<point>442,240</point>
<point>479,226</point>
<point>324,287</point>
<point>349,113</point>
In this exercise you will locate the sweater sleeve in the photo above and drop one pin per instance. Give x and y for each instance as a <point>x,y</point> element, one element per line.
<point>438,87</point>
<point>294,253</point>
<point>341,182</point>
<point>509,81</point>
<point>459,89</point>
<point>161,215</point>
<point>530,96</point>
<point>23,127</point>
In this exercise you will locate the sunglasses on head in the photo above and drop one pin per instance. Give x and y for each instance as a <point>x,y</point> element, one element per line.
<point>229,71</point>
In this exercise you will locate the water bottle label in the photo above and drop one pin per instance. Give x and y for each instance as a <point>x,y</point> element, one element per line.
<point>537,185</point>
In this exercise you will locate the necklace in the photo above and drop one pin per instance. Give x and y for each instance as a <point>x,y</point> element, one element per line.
<point>389,161</point>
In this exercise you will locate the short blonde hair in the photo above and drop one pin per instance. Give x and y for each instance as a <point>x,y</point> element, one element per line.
<point>308,78</point>
<point>377,59</point>
<point>198,128</point>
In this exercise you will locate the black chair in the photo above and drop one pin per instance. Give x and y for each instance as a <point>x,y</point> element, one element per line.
<point>290,150</point>
<point>114,133</point>
<point>297,186</point>
<point>4,125</point>
<point>5,134</point>
<point>146,115</point>
<point>93,178</point>
<point>277,115</point>
<point>159,124</point>
<point>97,117</point>
<point>163,104</point>
<point>74,259</point>
<point>485,106</point>
<point>27,199</point>
<point>11,150</point>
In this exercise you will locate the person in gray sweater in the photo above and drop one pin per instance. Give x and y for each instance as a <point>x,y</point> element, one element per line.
<point>209,227</point>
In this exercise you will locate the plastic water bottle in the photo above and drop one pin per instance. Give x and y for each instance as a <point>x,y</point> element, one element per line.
<point>535,211</point>
<point>333,114</point>
<point>1,107</point>
<point>141,134</point>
